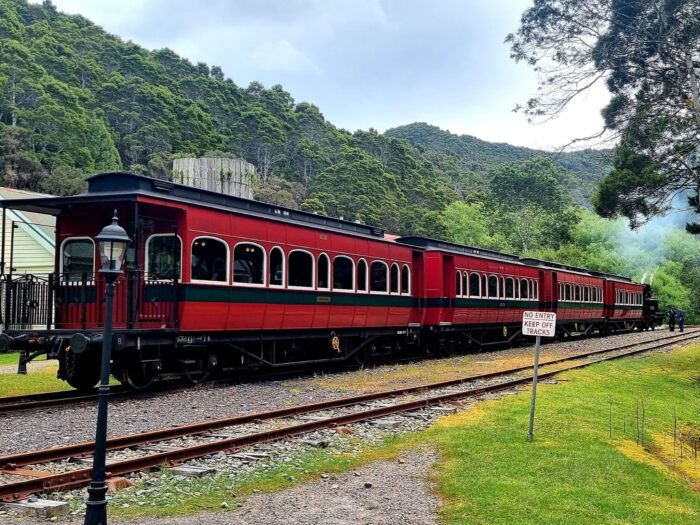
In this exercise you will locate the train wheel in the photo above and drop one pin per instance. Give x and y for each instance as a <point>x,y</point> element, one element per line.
<point>137,376</point>
<point>81,371</point>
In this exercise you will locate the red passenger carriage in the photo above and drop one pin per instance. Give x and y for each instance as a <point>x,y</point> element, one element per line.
<point>215,283</point>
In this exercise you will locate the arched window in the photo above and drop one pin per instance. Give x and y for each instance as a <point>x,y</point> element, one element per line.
<point>586,296</point>
<point>78,258</point>
<point>465,284</point>
<point>524,292</point>
<point>474,285</point>
<point>577,292</point>
<point>378,281</point>
<point>458,284</point>
<point>493,286</point>
<point>510,292</point>
<point>300,269</point>
<point>276,267</point>
<point>343,273</point>
<point>209,260</point>
<point>535,290</point>
<point>394,278</point>
<point>163,256</point>
<point>362,276</point>
<point>567,291</point>
<point>405,279</point>
<point>502,287</point>
<point>324,264</point>
<point>248,264</point>
<point>484,286</point>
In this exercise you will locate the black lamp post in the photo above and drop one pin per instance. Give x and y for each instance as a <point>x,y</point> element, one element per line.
<point>112,242</point>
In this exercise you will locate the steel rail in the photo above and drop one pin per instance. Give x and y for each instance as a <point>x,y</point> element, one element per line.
<point>76,478</point>
<point>47,399</point>
<point>121,442</point>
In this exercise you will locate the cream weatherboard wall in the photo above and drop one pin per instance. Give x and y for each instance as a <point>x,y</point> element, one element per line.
<point>34,239</point>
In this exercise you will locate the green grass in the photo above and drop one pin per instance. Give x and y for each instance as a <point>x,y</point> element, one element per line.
<point>489,474</point>
<point>573,472</point>
<point>38,379</point>
<point>9,359</point>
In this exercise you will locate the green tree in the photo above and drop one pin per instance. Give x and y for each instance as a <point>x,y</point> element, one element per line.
<point>647,54</point>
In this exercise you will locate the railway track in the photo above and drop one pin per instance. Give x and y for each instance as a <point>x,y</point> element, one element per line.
<point>171,446</point>
<point>57,399</point>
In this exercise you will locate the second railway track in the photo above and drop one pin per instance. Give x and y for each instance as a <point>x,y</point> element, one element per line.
<point>175,445</point>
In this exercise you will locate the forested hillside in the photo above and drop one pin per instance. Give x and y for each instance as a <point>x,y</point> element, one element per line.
<point>584,169</point>
<point>75,100</point>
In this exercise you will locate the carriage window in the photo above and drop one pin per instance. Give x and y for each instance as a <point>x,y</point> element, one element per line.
<point>163,259</point>
<point>524,289</point>
<point>465,284</point>
<point>493,286</point>
<point>342,273</point>
<point>362,276</point>
<point>474,289</point>
<point>502,288</point>
<point>458,288</point>
<point>536,291</point>
<point>484,286</point>
<point>377,277</point>
<point>510,292</point>
<point>301,269</point>
<point>248,264</point>
<point>78,258</point>
<point>405,279</point>
<point>324,264</point>
<point>585,294</point>
<point>276,267</point>
<point>209,260</point>
<point>394,278</point>
<point>577,292</point>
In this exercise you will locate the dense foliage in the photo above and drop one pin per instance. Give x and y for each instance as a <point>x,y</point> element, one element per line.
<point>75,100</point>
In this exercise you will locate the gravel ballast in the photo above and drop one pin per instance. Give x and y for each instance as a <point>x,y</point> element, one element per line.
<point>47,427</point>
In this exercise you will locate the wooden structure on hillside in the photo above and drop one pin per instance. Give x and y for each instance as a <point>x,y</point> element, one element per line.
<point>222,175</point>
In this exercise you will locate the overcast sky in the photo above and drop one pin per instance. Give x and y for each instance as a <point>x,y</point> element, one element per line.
<point>364,63</point>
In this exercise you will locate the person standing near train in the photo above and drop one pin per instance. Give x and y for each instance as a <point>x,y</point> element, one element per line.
<point>672,319</point>
<point>681,319</point>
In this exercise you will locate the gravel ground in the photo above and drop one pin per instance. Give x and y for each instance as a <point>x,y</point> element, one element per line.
<point>383,493</point>
<point>48,427</point>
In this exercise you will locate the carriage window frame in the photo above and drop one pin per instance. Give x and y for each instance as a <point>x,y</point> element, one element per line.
<point>313,270</point>
<point>512,288</point>
<point>465,283</point>
<point>269,268</point>
<point>329,275</point>
<point>502,287</point>
<point>478,281</point>
<point>369,276</point>
<point>405,272</point>
<point>362,263</point>
<point>227,282</point>
<point>393,291</point>
<point>264,266</point>
<point>91,274</point>
<point>577,293</point>
<point>458,283</point>
<point>535,290</point>
<point>147,272</point>
<point>484,285</point>
<point>527,289</point>
<point>495,295</point>
<point>353,275</point>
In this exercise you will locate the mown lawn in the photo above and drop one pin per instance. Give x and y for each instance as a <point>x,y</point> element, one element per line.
<point>41,377</point>
<point>573,473</point>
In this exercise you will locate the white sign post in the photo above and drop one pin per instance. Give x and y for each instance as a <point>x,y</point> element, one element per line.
<point>539,324</point>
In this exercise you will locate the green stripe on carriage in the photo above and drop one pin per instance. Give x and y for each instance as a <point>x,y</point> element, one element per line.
<point>215,294</point>
<point>580,306</point>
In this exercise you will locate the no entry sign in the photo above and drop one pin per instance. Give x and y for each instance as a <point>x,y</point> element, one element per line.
<point>541,324</point>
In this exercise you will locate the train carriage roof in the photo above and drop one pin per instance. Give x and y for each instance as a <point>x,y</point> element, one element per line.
<point>125,187</point>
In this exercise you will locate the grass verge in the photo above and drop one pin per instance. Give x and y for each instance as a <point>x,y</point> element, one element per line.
<point>41,377</point>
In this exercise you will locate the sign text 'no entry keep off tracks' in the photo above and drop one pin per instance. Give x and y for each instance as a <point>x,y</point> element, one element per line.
<point>539,324</point>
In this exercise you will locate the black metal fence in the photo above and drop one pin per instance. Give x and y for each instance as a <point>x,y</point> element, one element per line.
<point>55,301</point>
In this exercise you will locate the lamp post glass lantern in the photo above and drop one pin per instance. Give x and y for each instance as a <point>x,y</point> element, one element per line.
<point>112,242</point>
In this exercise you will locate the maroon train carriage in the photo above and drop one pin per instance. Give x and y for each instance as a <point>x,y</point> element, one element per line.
<point>218,283</point>
<point>212,282</point>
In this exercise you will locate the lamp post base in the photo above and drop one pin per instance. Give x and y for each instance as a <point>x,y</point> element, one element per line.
<point>96,513</point>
